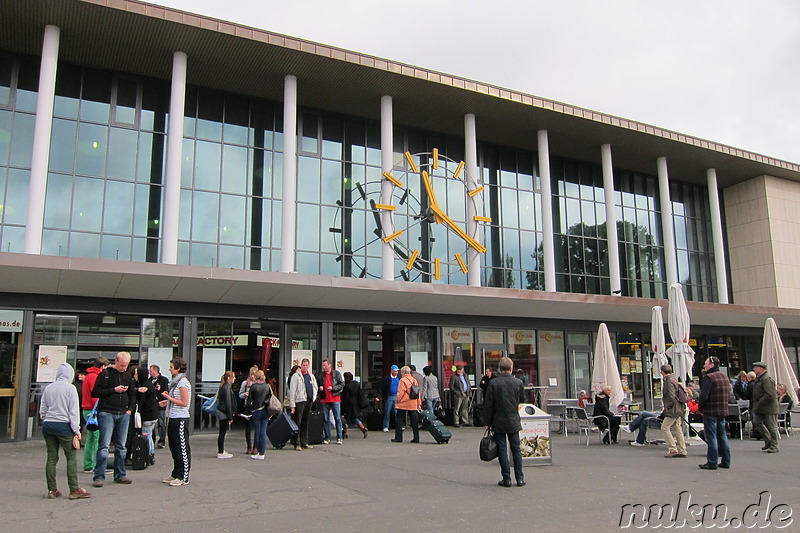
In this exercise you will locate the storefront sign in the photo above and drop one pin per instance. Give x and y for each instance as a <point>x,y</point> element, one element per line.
<point>457,335</point>
<point>11,321</point>
<point>275,342</point>
<point>218,340</point>
<point>522,336</point>
<point>50,357</point>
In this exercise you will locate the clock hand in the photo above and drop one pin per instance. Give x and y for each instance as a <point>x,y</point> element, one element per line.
<point>461,233</point>
<point>426,179</point>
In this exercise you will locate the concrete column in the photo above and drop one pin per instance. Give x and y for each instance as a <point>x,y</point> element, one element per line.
<point>667,226</point>
<point>471,163</point>
<point>387,162</point>
<point>40,156</point>
<point>611,220</point>
<point>288,203</point>
<point>716,229</point>
<point>548,245</point>
<point>172,179</point>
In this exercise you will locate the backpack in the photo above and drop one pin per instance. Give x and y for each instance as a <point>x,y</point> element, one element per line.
<point>413,392</point>
<point>681,394</point>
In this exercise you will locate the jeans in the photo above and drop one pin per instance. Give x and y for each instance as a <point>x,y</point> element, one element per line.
<point>112,427</point>
<point>716,440</point>
<point>336,407</point>
<point>90,448</point>
<point>431,403</point>
<point>178,432</point>
<point>148,427</point>
<point>162,426</point>
<point>400,421</point>
<point>54,442</point>
<point>388,410</point>
<point>259,420</point>
<point>516,455</point>
<point>644,420</point>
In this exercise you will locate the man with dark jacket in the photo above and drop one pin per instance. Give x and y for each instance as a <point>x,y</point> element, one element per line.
<point>147,399</point>
<point>714,391</point>
<point>765,407</point>
<point>460,389</point>
<point>116,391</point>
<point>160,384</point>
<point>330,384</point>
<point>674,410</point>
<point>503,396</point>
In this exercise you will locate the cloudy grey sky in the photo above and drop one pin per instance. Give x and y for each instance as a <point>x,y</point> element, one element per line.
<point>723,70</point>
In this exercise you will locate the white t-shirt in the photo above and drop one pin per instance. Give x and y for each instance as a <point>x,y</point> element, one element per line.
<point>175,410</point>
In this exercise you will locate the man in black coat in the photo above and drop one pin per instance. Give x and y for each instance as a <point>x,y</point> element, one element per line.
<point>503,395</point>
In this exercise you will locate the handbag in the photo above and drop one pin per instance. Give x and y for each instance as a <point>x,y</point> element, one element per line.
<point>76,442</point>
<point>210,405</point>
<point>137,420</point>
<point>488,447</point>
<point>274,405</point>
<point>91,420</point>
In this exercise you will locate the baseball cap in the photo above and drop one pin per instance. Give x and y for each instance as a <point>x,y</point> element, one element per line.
<point>395,367</point>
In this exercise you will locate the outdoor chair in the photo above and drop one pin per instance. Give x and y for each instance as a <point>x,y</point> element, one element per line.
<point>735,417</point>
<point>784,419</point>
<point>558,413</point>
<point>586,422</point>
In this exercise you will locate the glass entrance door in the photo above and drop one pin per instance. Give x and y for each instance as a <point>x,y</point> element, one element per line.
<point>10,357</point>
<point>580,365</point>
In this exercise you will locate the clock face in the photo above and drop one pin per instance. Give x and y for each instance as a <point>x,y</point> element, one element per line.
<point>432,235</point>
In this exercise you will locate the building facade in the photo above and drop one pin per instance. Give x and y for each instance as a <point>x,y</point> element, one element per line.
<point>175,185</point>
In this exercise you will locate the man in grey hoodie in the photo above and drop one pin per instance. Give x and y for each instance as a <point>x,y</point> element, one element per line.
<point>61,426</point>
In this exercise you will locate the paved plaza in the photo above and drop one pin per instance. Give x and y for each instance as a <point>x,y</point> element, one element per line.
<point>375,485</point>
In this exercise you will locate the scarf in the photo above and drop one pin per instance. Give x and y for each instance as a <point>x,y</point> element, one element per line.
<point>174,383</point>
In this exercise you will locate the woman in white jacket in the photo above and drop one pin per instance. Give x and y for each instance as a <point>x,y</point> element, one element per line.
<point>59,410</point>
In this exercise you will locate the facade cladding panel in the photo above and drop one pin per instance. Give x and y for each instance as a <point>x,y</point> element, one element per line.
<point>100,283</point>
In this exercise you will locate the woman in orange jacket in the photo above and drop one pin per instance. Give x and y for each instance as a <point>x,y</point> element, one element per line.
<point>407,404</point>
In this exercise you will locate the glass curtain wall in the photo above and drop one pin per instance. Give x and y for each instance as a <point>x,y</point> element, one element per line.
<point>513,239</point>
<point>19,83</point>
<point>694,241</point>
<point>230,182</point>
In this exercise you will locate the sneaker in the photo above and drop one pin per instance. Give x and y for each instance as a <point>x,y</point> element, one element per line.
<point>626,429</point>
<point>79,494</point>
<point>168,480</point>
<point>307,447</point>
<point>160,444</point>
<point>773,450</point>
<point>178,483</point>
<point>326,441</point>
<point>224,455</point>
<point>670,454</point>
<point>386,430</point>
<point>88,470</point>
<point>98,483</point>
<point>338,441</point>
<point>297,448</point>
<point>123,481</point>
<point>53,494</point>
<point>634,443</point>
<point>257,457</point>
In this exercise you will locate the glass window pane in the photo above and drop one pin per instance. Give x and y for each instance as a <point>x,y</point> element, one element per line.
<point>331,181</point>
<point>15,208</point>
<point>92,147</point>
<point>84,245</point>
<point>87,205</point>
<point>115,247</point>
<point>68,91</point>
<point>55,242</point>
<point>13,239</point>
<point>231,257</point>
<point>22,140</point>
<point>27,84</point>
<point>96,101</point>
<point>62,145</point>
<point>147,211</point>
<point>122,153</point>
<point>6,120</point>
<point>308,179</point>
<point>235,129</point>
<point>307,227</point>
<point>184,223</point>
<point>151,153</point>
<point>234,169</point>
<point>203,254</point>
<point>127,95</point>
<point>118,212</point>
<point>209,116</point>
<point>233,220</point>
<point>58,202</point>
<point>205,217</point>
<point>207,165</point>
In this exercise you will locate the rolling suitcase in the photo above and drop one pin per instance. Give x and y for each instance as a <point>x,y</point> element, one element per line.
<point>280,429</point>
<point>315,430</point>
<point>140,453</point>
<point>435,427</point>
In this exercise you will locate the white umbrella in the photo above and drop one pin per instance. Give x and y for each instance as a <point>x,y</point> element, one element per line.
<point>605,370</point>
<point>657,338</point>
<point>680,352</point>
<point>774,354</point>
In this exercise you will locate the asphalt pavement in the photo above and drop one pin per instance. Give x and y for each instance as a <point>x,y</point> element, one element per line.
<point>373,484</point>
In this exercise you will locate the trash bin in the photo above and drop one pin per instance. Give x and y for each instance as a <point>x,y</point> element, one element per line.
<point>534,439</point>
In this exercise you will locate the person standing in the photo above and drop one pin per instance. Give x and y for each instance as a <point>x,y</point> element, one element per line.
<point>148,399</point>
<point>244,391</point>
<point>302,393</point>
<point>503,396</point>
<point>406,405</point>
<point>178,396</point>
<point>714,391</point>
<point>459,394</point>
<point>87,404</point>
<point>487,377</point>
<point>765,407</point>
<point>160,384</point>
<point>674,411</point>
<point>226,410</point>
<point>430,388</point>
<point>353,401</point>
<point>389,395</point>
<point>61,426</point>
<point>257,399</point>
<point>116,395</point>
<point>331,384</point>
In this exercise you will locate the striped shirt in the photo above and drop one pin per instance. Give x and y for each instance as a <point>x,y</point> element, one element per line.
<point>176,411</point>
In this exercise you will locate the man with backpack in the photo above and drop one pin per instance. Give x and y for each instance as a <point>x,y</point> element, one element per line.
<point>674,398</point>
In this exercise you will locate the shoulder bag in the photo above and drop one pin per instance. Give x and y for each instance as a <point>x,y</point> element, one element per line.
<point>91,420</point>
<point>211,404</point>
<point>274,405</point>
<point>488,447</point>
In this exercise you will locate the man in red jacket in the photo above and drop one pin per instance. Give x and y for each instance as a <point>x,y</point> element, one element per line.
<point>87,404</point>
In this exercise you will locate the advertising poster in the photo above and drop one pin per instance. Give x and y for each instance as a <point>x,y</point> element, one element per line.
<point>299,355</point>
<point>344,361</point>
<point>49,359</point>
<point>160,357</point>
<point>213,364</point>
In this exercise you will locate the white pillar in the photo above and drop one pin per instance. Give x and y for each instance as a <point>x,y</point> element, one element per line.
<point>43,127</point>
<point>288,203</point>
<point>667,226</point>
<point>471,162</point>
<point>387,162</point>
<point>611,220</point>
<point>548,245</point>
<point>172,179</point>
<point>716,229</point>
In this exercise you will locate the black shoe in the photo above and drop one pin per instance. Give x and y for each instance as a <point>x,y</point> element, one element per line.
<point>723,466</point>
<point>706,466</point>
<point>396,440</point>
<point>456,426</point>
<point>152,459</point>
<point>521,483</point>
<point>416,441</point>
<point>504,483</point>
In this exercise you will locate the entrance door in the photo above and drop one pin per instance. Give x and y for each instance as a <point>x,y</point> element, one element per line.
<point>580,365</point>
<point>490,348</point>
<point>10,357</point>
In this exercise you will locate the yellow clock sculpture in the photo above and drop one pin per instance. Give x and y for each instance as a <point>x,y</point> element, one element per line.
<point>431,235</point>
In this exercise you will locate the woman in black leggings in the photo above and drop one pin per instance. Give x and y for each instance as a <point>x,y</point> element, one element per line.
<point>226,410</point>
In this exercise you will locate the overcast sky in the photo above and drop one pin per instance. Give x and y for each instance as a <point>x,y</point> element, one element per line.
<point>723,70</point>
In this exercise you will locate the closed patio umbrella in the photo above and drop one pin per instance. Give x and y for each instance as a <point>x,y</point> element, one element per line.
<point>680,352</point>
<point>774,354</point>
<point>657,338</point>
<point>605,370</point>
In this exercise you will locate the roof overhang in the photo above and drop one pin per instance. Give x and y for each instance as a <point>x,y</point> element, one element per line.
<point>139,38</point>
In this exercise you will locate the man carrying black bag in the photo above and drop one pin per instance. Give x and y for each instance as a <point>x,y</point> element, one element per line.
<point>503,395</point>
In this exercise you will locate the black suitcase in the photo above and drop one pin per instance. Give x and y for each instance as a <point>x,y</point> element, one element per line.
<point>439,432</point>
<point>139,453</point>
<point>375,421</point>
<point>316,431</point>
<point>477,415</point>
<point>280,429</point>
